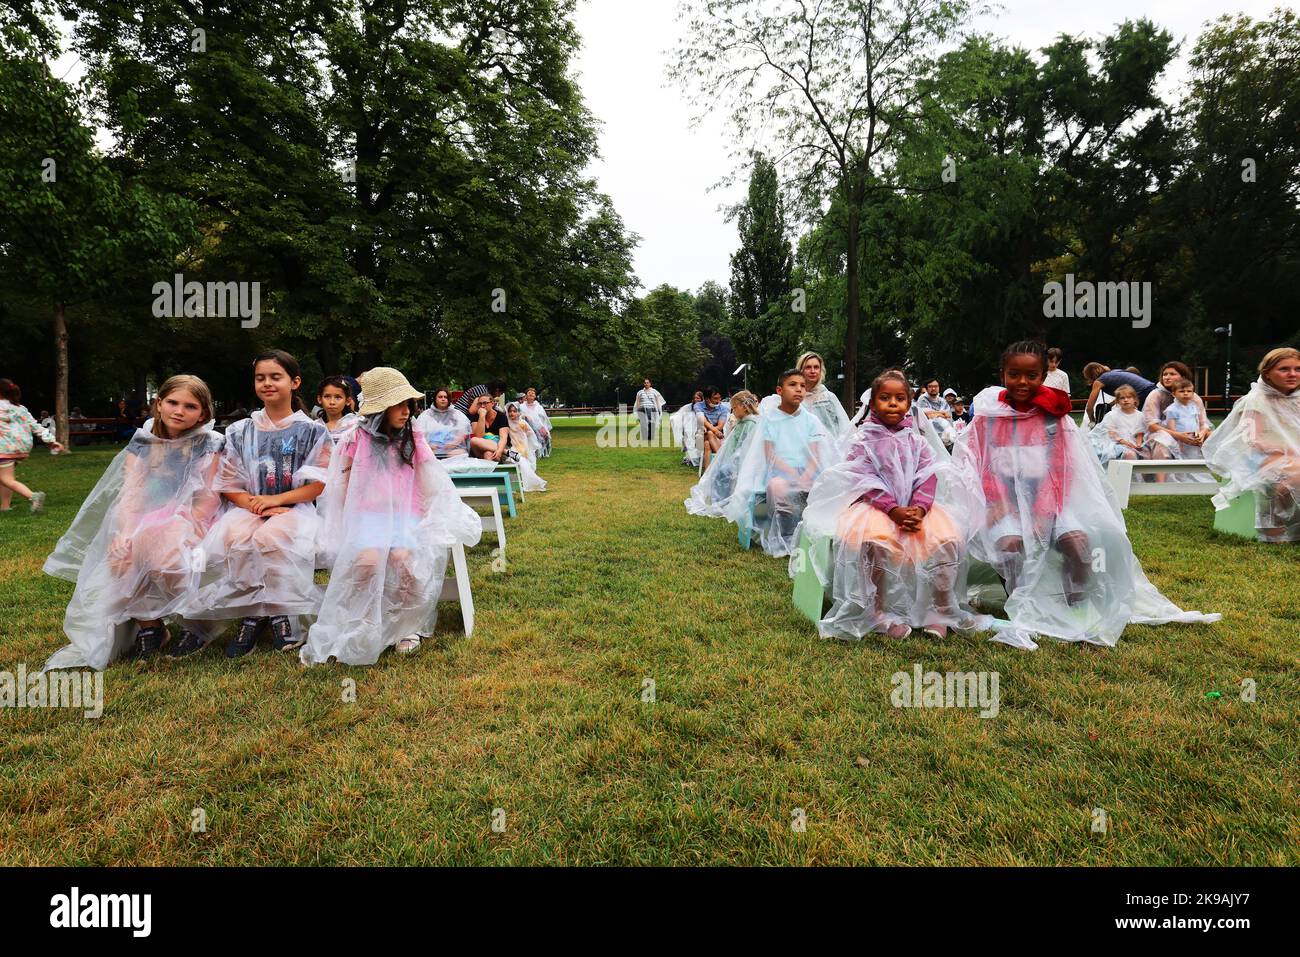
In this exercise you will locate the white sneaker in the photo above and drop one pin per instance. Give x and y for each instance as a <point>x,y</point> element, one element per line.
<point>38,501</point>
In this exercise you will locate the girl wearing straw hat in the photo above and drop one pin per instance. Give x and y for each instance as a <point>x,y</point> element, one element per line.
<point>391,515</point>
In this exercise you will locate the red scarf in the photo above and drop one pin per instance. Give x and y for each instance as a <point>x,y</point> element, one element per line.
<point>1014,430</point>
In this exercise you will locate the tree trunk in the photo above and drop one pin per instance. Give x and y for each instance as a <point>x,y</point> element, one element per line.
<point>61,376</point>
<point>854,212</point>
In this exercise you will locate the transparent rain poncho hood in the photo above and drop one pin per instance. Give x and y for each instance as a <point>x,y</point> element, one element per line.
<point>133,549</point>
<point>447,431</point>
<point>1046,521</point>
<point>719,480</point>
<point>1257,450</point>
<point>261,565</point>
<point>388,528</point>
<point>879,574</point>
<point>778,466</point>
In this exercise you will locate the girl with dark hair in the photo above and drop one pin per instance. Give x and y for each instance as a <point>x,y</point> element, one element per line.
<point>261,554</point>
<point>1049,525</point>
<point>391,517</point>
<point>338,406</point>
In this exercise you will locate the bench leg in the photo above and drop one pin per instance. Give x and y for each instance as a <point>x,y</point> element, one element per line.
<point>465,596</point>
<point>510,496</point>
<point>500,525</point>
<point>1120,473</point>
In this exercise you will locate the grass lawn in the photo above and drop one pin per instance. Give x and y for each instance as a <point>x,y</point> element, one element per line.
<point>609,583</point>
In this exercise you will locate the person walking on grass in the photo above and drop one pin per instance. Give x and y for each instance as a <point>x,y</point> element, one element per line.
<point>648,405</point>
<point>17,427</point>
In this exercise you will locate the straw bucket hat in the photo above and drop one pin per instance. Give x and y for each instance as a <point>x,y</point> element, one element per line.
<point>383,388</point>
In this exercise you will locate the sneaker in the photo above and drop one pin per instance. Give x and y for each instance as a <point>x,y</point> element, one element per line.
<point>409,645</point>
<point>282,636</point>
<point>187,644</point>
<point>38,501</point>
<point>245,639</point>
<point>149,641</point>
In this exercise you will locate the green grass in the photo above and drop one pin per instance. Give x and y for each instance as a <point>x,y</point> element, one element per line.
<point>540,713</point>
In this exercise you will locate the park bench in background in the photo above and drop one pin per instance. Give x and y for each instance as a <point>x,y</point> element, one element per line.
<point>1121,473</point>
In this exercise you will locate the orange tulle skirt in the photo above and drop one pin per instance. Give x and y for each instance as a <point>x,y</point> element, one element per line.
<point>862,524</point>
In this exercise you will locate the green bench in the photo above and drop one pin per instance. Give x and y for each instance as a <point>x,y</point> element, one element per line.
<point>499,480</point>
<point>1238,518</point>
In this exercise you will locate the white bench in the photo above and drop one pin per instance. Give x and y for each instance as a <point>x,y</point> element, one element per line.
<point>455,588</point>
<point>486,495</point>
<point>1121,472</point>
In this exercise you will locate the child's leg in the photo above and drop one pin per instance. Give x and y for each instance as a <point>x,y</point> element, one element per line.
<point>9,484</point>
<point>1009,561</point>
<point>405,590</point>
<point>274,542</point>
<point>1078,562</point>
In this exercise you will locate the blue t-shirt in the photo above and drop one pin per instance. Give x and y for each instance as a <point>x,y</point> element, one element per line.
<point>792,436</point>
<point>1112,380</point>
<point>714,416</point>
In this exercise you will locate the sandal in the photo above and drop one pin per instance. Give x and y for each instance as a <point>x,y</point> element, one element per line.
<point>409,645</point>
<point>898,630</point>
<point>935,631</point>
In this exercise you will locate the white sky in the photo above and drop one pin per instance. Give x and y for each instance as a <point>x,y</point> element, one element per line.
<point>659,172</point>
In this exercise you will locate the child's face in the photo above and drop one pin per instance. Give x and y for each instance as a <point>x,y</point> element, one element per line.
<point>1022,376</point>
<point>891,401</point>
<point>273,384</point>
<point>959,408</point>
<point>792,390</point>
<point>514,416</point>
<point>1285,376</point>
<point>1127,402</point>
<point>1185,394</point>
<point>1052,363</point>
<point>180,411</point>
<point>738,410</point>
<point>333,400</point>
<point>396,416</point>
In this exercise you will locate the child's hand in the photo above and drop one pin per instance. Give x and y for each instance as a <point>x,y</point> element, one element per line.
<point>905,517</point>
<point>276,510</point>
<point>257,504</point>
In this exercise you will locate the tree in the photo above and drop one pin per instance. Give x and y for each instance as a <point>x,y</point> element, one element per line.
<point>835,83</point>
<point>762,312</point>
<point>71,226</point>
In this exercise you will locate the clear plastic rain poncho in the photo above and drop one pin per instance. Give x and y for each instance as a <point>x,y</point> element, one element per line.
<point>879,574</point>
<point>447,431</point>
<point>260,565</point>
<point>1048,524</point>
<point>387,531</point>
<point>133,549</point>
<point>685,435</point>
<point>825,405</point>
<point>1257,449</point>
<point>1114,425</point>
<point>781,461</point>
<point>719,480</point>
<point>345,424</point>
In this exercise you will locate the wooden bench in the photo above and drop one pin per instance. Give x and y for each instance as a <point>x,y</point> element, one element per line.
<point>1121,472</point>
<point>485,495</point>
<point>455,587</point>
<point>500,481</point>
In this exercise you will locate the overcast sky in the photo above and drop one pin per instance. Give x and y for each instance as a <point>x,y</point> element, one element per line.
<point>659,172</point>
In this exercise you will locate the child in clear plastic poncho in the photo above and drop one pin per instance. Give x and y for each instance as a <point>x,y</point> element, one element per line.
<point>1047,521</point>
<point>446,428</point>
<point>390,517</point>
<point>1121,433</point>
<point>719,480</point>
<point>899,519</point>
<point>525,444</point>
<point>1257,448</point>
<point>778,468</point>
<point>686,431</point>
<point>338,408</point>
<point>819,400</point>
<point>261,553</point>
<point>133,547</point>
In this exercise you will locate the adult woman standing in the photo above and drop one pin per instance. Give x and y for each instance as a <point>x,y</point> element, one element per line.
<point>1104,378</point>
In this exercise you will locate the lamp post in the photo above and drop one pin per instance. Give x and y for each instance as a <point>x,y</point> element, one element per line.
<point>743,367</point>
<point>1227,376</point>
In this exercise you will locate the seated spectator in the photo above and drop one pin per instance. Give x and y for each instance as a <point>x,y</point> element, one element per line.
<point>47,421</point>
<point>711,417</point>
<point>489,429</point>
<point>446,428</point>
<point>936,408</point>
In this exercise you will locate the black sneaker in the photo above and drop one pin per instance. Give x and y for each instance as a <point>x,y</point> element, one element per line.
<point>282,637</point>
<point>245,639</point>
<point>187,644</point>
<point>149,641</point>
